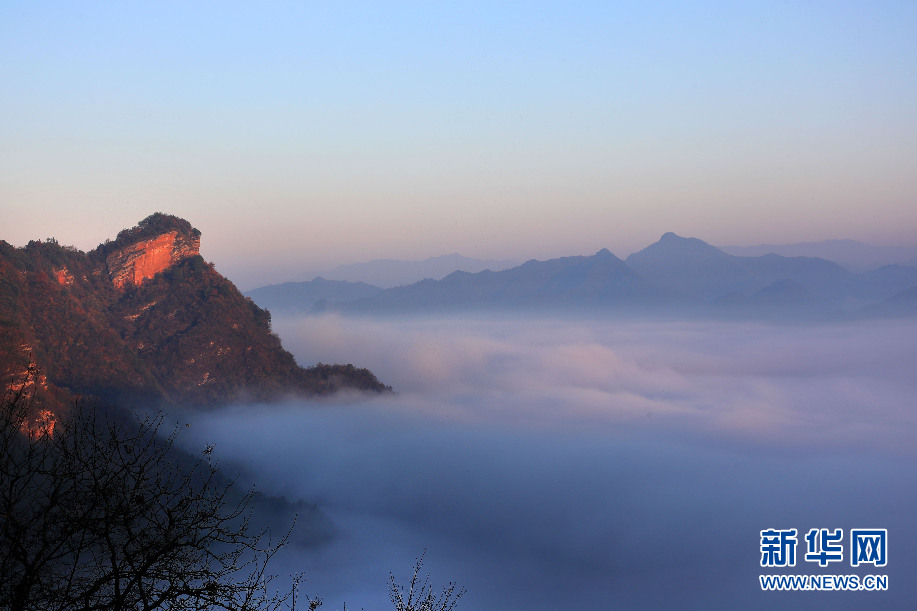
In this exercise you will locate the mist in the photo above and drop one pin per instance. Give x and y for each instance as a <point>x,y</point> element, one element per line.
<point>575,463</point>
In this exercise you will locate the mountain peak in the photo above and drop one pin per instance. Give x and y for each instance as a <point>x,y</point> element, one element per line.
<point>671,245</point>
<point>154,225</point>
<point>156,244</point>
<point>673,239</point>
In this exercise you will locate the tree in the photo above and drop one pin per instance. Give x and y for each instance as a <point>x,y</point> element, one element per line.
<point>419,596</point>
<point>101,512</point>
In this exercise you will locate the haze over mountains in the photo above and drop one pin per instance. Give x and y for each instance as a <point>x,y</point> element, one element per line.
<point>389,273</point>
<point>855,256</point>
<point>674,276</point>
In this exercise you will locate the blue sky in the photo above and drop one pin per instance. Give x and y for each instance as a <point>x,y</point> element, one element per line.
<point>327,133</point>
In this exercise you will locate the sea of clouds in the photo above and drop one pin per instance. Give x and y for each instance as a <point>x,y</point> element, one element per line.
<point>589,464</point>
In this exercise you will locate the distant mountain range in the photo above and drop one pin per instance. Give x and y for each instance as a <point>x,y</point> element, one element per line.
<point>143,319</point>
<point>855,256</point>
<point>389,273</point>
<point>675,276</point>
<point>298,297</point>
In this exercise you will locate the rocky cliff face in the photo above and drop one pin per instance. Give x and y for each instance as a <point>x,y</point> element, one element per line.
<point>144,319</point>
<point>142,260</point>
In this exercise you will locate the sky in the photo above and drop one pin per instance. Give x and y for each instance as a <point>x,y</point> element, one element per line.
<point>307,135</point>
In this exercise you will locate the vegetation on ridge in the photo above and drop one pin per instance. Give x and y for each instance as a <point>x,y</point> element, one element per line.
<point>186,336</point>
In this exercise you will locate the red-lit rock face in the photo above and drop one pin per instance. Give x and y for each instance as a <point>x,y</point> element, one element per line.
<point>63,276</point>
<point>142,260</point>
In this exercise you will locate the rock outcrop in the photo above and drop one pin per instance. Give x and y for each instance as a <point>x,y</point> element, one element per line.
<point>142,260</point>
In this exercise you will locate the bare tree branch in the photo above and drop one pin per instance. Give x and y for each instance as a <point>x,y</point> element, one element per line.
<point>100,514</point>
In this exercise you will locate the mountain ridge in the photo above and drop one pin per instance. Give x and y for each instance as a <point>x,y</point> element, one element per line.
<point>582,282</point>
<point>145,320</point>
<point>694,267</point>
<point>673,276</point>
<point>854,255</point>
<point>390,273</point>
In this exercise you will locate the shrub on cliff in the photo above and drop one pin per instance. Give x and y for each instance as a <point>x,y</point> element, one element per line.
<point>156,224</point>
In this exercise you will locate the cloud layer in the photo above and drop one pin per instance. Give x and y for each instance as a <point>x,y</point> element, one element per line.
<point>553,463</point>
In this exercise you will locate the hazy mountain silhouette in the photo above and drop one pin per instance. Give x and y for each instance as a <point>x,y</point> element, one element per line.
<point>855,256</point>
<point>598,281</point>
<point>884,282</point>
<point>693,267</point>
<point>389,273</point>
<point>298,297</point>
<point>901,304</point>
<point>675,276</point>
<point>782,300</point>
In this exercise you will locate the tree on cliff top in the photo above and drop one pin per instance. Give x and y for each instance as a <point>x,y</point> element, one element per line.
<point>156,224</point>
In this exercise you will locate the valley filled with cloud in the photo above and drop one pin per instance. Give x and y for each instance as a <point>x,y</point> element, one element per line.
<point>548,463</point>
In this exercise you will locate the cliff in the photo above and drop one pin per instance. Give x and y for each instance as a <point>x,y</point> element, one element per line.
<point>144,319</point>
<point>157,243</point>
<point>143,260</point>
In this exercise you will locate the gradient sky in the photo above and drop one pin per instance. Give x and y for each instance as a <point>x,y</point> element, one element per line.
<point>328,133</point>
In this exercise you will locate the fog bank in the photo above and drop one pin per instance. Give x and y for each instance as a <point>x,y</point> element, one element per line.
<point>550,464</point>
